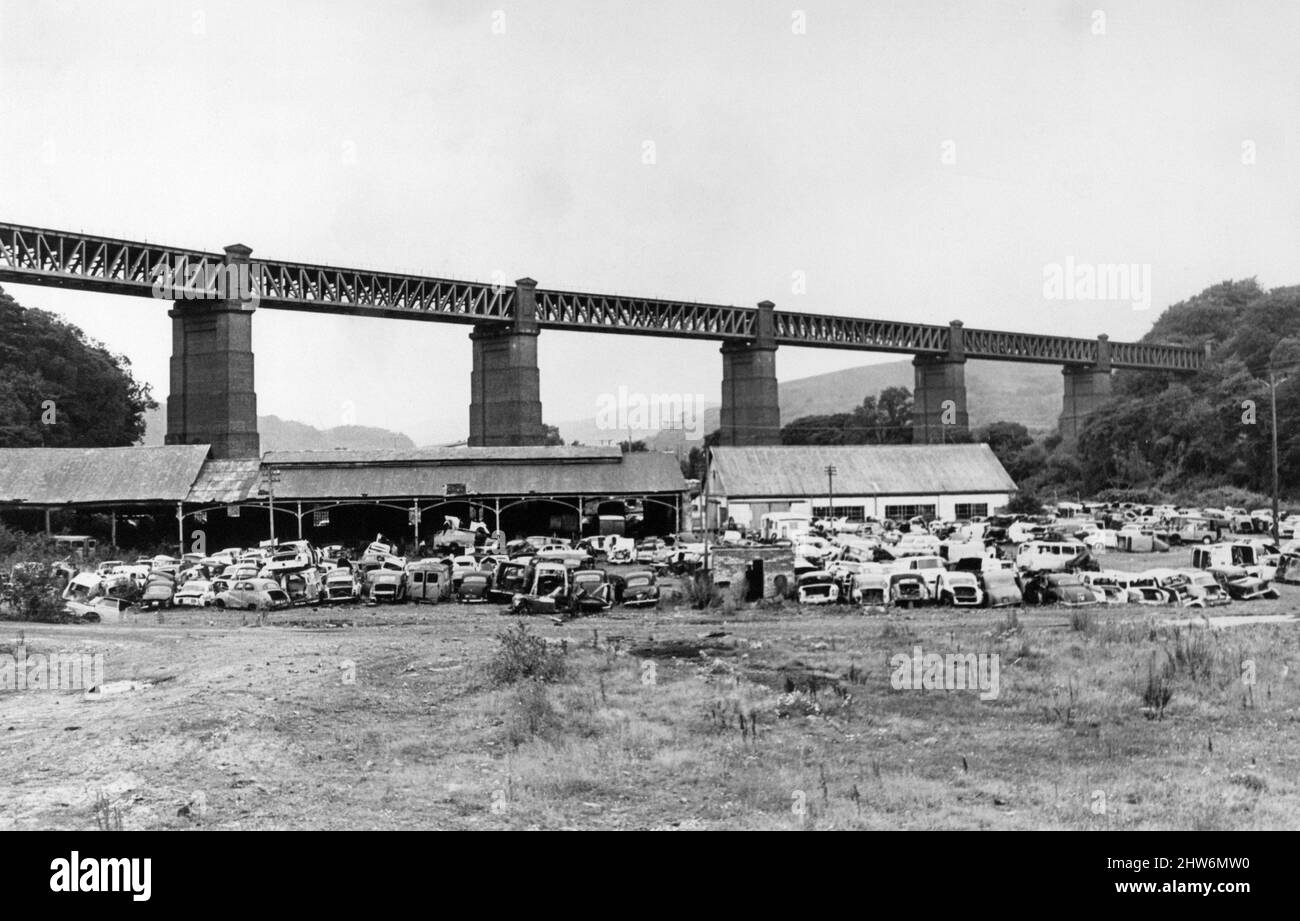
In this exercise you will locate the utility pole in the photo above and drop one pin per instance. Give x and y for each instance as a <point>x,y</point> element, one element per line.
<point>1272,399</point>
<point>704,516</point>
<point>272,477</point>
<point>830,489</point>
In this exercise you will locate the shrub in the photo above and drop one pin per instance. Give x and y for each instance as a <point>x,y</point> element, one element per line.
<point>1137,496</point>
<point>34,594</point>
<point>529,712</point>
<point>1193,653</point>
<point>524,657</point>
<point>1024,503</point>
<point>1223,497</point>
<point>1158,692</point>
<point>701,593</point>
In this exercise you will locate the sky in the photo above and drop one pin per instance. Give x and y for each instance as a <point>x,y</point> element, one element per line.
<point>926,161</point>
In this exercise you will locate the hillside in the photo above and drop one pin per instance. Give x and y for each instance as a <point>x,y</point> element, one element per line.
<point>286,435</point>
<point>1027,393</point>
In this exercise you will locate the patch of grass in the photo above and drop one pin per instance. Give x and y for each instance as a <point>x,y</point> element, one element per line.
<point>1193,654</point>
<point>523,656</point>
<point>108,817</point>
<point>1158,691</point>
<point>529,713</point>
<point>1009,624</point>
<point>700,592</point>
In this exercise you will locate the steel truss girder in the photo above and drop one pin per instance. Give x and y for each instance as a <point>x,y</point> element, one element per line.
<point>37,256</point>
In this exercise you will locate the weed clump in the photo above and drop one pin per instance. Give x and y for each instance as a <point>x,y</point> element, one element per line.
<point>522,656</point>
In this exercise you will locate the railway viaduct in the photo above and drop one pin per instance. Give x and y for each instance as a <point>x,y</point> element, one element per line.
<point>212,398</point>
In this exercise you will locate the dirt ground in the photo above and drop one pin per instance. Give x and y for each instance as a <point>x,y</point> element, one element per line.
<point>786,718</point>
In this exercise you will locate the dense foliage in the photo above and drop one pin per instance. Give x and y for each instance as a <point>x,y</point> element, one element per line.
<point>1162,435</point>
<point>60,389</point>
<point>886,419</point>
<point>1212,429</point>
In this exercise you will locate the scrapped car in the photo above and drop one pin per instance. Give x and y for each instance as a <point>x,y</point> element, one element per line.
<point>927,567</point>
<point>1242,557</point>
<point>817,587</point>
<point>196,593</point>
<point>1244,586</point>
<point>573,559</point>
<point>1000,587</point>
<point>871,587</point>
<point>1107,586</point>
<point>158,591</point>
<point>1190,530</point>
<point>84,587</point>
<point>428,581</point>
<point>303,585</point>
<point>386,584</point>
<point>640,589</point>
<point>1204,586</point>
<point>1064,588</point>
<point>1140,540</point>
<point>341,586</point>
<point>253,595</point>
<point>460,565</point>
<point>509,579</point>
<point>592,592</point>
<point>647,551</point>
<point>959,589</point>
<point>1177,587</point>
<point>907,589</point>
<point>105,609</point>
<point>1051,556</point>
<point>473,587</point>
<point>547,589</point>
<point>1288,569</point>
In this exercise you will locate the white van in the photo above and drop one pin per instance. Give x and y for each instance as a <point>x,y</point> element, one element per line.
<point>1049,555</point>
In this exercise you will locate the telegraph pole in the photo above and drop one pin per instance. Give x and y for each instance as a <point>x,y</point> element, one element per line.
<point>1272,398</point>
<point>830,489</point>
<point>272,477</point>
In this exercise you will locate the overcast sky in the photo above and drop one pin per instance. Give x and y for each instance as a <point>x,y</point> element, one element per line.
<point>914,160</point>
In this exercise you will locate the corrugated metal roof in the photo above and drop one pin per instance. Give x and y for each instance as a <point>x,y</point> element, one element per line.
<point>630,474</point>
<point>458,455</point>
<point>225,481</point>
<point>861,470</point>
<point>59,476</point>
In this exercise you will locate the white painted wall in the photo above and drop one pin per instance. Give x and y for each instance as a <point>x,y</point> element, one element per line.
<point>747,514</point>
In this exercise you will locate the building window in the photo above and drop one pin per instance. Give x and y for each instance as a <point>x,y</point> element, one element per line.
<point>851,512</point>
<point>907,512</point>
<point>969,510</point>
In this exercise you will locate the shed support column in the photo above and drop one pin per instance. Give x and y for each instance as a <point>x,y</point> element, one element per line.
<point>939,413</point>
<point>1087,387</point>
<point>505,406</point>
<point>751,409</point>
<point>212,399</point>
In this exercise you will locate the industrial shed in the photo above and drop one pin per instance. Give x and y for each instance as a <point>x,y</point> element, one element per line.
<point>335,496</point>
<point>867,481</point>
